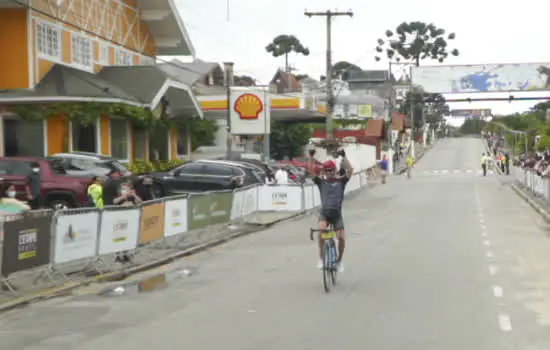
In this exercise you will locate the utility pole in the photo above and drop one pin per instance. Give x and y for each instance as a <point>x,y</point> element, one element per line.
<point>330,93</point>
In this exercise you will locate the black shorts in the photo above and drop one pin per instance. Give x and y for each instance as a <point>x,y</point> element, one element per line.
<point>335,219</point>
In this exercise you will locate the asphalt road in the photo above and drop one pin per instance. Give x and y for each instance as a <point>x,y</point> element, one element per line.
<point>446,260</point>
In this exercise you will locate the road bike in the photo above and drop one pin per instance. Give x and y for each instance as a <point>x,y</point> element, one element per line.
<point>330,267</point>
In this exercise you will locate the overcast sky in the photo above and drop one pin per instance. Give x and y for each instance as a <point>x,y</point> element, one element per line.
<point>488,31</point>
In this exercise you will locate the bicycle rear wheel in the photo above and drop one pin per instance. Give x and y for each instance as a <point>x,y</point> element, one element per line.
<point>326,267</point>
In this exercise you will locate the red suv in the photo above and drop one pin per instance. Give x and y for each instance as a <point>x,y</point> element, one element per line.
<point>58,189</point>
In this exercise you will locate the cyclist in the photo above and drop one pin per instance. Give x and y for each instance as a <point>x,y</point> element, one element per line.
<point>331,187</point>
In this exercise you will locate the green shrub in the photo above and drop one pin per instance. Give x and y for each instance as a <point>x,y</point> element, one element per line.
<point>139,166</point>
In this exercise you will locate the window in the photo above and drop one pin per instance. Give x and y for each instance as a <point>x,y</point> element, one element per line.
<point>48,40</point>
<point>119,138</point>
<point>139,144</point>
<point>191,169</point>
<point>104,55</point>
<point>84,137</point>
<point>17,134</point>
<point>20,168</point>
<point>81,50</point>
<point>123,58</point>
<point>217,170</point>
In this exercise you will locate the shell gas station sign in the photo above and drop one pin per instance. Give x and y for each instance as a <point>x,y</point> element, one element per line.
<point>250,111</point>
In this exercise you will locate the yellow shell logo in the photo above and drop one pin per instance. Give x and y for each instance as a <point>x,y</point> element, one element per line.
<point>248,106</point>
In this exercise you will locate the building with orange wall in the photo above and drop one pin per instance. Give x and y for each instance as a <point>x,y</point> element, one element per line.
<point>64,51</point>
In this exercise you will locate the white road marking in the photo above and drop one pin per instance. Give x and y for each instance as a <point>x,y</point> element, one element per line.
<point>498,292</point>
<point>487,243</point>
<point>490,254</point>
<point>504,323</point>
<point>493,270</point>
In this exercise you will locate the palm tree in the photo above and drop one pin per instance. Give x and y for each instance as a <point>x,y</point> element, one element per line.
<point>285,44</point>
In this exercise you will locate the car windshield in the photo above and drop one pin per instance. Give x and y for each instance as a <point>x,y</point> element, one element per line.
<point>118,166</point>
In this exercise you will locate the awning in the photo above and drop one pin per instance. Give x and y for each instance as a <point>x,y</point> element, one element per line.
<point>142,86</point>
<point>152,84</point>
<point>65,84</point>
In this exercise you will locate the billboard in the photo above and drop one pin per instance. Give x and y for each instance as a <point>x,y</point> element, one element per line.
<point>482,78</point>
<point>480,112</point>
<point>250,111</point>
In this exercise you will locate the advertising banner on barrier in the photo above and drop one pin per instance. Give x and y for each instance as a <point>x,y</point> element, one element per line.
<point>250,203</point>
<point>26,244</point>
<point>280,198</point>
<point>119,230</point>
<point>76,237</point>
<point>308,197</point>
<point>198,211</point>
<point>220,207</point>
<point>152,223</point>
<point>316,196</point>
<point>175,217</point>
<point>237,206</point>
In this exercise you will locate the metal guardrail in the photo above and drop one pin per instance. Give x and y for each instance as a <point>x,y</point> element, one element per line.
<point>84,240</point>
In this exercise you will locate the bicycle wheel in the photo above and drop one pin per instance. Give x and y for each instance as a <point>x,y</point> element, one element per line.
<point>333,270</point>
<point>326,267</point>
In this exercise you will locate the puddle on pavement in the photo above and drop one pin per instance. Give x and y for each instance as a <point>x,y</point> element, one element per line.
<point>149,284</point>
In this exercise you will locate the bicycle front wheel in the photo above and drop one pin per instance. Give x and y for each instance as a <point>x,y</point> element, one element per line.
<point>333,270</point>
<point>327,267</point>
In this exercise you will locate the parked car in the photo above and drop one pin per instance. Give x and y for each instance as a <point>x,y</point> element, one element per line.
<point>90,164</point>
<point>59,189</point>
<point>204,175</point>
<point>301,162</point>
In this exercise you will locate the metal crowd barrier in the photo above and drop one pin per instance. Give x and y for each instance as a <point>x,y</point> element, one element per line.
<point>531,181</point>
<point>83,239</point>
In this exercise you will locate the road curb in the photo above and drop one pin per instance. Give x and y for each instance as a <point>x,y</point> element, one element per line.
<point>522,193</point>
<point>53,292</point>
<point>537,207</point>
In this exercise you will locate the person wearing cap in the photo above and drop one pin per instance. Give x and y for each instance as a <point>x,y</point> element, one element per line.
<point>331,188</point>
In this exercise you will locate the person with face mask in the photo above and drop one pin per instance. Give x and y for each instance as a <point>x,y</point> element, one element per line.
<point>9,197</point>
<point>33,186</point>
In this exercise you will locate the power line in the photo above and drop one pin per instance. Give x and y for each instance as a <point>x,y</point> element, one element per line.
<point>330,94</point>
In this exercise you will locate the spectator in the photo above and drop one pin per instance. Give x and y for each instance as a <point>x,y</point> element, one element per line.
<point>8,197</point>
<point>384,168</point>
<point>281,176</point>
<point>33,186</point>
<point>343,165</point>
<point>126,197</point>
<point>111,187</point>
<point>95,193</point>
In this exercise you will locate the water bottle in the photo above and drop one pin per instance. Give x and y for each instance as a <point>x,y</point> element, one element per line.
<point>332,256</point>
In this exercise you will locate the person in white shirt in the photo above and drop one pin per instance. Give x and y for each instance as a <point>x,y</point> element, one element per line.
<point>281,176</point>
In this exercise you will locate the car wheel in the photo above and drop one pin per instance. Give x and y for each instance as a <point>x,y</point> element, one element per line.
<point>157,191</point>
<point>60,204</point>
